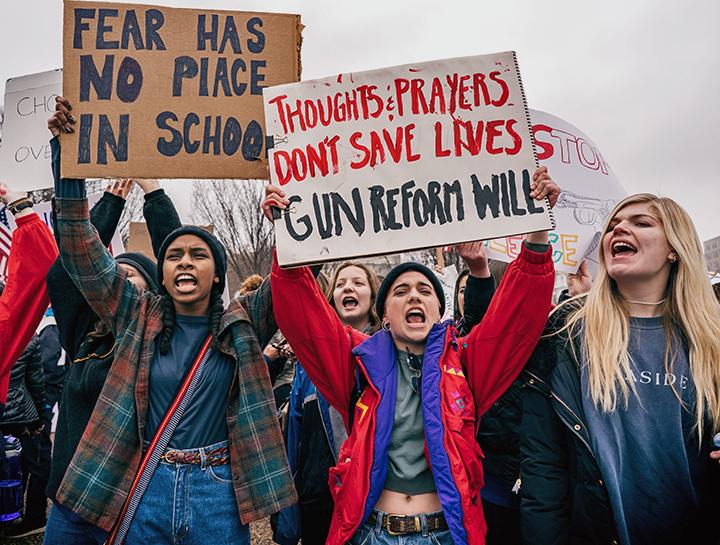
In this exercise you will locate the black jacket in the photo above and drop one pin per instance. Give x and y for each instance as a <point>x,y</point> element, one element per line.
<point>73,316</point>
<point>26,393</point>
<point>564,500</point>
<point>50,353</point>
<point>499,431</point>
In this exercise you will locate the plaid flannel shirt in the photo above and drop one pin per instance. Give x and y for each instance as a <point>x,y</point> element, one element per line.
<point>96,483</point>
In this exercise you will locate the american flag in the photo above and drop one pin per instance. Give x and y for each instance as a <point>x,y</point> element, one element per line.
<point>5,240</point>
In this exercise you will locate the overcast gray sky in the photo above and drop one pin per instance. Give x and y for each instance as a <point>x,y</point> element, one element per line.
<point>640,78</point>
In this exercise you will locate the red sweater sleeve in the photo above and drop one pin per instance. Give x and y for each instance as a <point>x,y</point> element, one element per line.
<point>25,298</point>
<point>496,349</point>
<point>315,333</point>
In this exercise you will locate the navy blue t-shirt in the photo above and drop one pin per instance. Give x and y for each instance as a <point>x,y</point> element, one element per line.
<point>649,457</point>
<point>204,421</point>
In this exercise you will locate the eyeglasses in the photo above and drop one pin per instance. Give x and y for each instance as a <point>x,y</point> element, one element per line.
<point>415,363</point>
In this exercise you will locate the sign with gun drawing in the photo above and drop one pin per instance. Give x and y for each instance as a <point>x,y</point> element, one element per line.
<point>590,190</point>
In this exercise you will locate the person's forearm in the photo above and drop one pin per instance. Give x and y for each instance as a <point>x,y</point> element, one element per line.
<point>105,216</point>
<point>161,217</point>
<point>67,188</point>
<point>539,237</point>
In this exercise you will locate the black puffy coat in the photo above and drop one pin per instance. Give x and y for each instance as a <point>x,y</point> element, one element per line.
<point>26,394</point>
<point>499,431</point>
<point>563,500</point>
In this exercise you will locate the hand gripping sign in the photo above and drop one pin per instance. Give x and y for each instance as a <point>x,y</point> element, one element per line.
<point>402,158</point>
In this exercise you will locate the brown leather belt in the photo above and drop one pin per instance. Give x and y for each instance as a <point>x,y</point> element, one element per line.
<point>408,524</point>
<point>213,457</point>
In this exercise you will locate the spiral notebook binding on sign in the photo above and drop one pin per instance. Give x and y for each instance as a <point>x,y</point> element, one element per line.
<point>530,129</point>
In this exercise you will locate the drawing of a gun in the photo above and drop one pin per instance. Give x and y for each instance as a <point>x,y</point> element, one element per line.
<point>586,210</point>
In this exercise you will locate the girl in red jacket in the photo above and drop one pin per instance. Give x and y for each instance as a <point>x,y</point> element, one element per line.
<point>412,393</point>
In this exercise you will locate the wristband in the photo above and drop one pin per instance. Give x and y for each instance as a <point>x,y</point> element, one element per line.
<point>20,204</point>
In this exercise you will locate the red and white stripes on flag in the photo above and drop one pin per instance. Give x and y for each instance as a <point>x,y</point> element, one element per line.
<point>5,242</point>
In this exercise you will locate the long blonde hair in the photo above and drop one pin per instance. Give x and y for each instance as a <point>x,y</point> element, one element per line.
<point>690,310</point>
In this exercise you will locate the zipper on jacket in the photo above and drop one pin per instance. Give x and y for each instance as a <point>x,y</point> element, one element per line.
<point>570,426</point>
<point>573,429</point>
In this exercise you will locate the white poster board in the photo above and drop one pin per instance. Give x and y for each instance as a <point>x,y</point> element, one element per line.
<point>402,158</point>
<point>25,152</point>
<point>589,187</point>
<point>44,210</point>
<point>448,277</point>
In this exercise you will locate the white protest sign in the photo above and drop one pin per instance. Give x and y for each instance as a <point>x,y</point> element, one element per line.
<point>589,187</point>
<point>44,210</point>
<point>448,278</point>
<point>402,158</point>
<point>25,152</point>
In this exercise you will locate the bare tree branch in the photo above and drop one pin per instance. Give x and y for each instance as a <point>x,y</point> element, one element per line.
<point>233,207</point>
<point>132,212</point>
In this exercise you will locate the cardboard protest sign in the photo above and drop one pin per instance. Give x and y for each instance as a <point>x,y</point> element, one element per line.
<point>25,152</point>
<point>44,210</point>
<point>402,158</point>
<point>163,92</point>
<point>590,190</point>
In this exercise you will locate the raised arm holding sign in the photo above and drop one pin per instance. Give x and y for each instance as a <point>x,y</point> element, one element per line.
<point>171,93</point>
<point>403,158</point>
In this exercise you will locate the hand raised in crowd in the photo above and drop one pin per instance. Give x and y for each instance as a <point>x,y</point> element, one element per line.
<point>148,185</point>
<point>543,186</point>
<point>715,455</point>
<point>474,256</point>
<point>7,195</point>
<point>120,187</point>
<point>61,120</point>
<point>580,282</point>
<point>274,197</point>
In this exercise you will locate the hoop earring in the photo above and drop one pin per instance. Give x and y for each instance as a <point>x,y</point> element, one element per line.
<point>386,325</point>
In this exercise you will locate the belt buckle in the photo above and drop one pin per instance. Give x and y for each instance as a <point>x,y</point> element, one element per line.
<point>417,526</point>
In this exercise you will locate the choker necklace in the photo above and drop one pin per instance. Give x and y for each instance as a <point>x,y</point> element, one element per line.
<point>660,302</point>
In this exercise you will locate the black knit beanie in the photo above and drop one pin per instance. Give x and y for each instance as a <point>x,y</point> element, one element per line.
<point>217,249</point>
<point>144,265</point>
<point>403,268</point>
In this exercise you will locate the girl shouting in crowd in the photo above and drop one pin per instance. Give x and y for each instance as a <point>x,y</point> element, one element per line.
<point>88,341</point>
<point>227,450</point>
<point>412,393</point>
<point>616,435</point>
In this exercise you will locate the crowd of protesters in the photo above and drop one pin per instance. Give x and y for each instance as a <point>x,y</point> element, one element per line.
<point>340,404</point>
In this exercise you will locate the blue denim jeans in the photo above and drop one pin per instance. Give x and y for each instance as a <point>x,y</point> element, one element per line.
<point>63,527</point>
<point>374,534</point>
<point>189,504</point>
